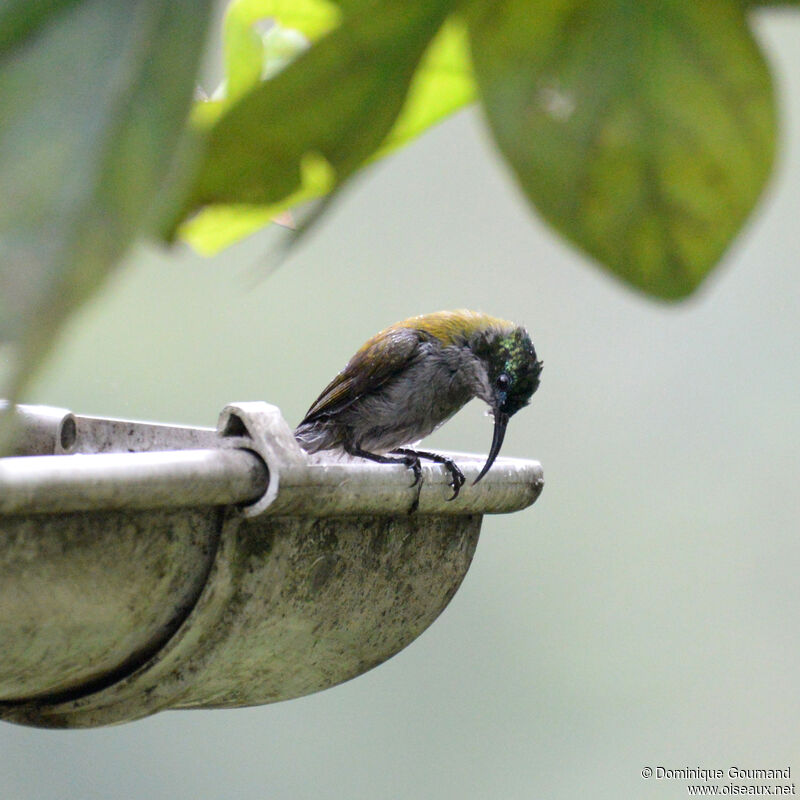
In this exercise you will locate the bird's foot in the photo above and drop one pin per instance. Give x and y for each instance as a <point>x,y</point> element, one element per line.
<point>407,457</point>
<point>457,478</point>
<point>412,462</point>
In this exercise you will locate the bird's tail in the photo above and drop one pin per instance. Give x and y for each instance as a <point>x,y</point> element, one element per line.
<point>313,436</point>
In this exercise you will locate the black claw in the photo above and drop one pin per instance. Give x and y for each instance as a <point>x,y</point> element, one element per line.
<point>412,462</point>
<point>457,476</point>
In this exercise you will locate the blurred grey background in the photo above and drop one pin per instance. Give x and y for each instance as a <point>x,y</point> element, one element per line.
<point>644,612</point>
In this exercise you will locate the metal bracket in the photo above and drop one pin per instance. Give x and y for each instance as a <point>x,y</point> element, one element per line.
<point>260,428</point>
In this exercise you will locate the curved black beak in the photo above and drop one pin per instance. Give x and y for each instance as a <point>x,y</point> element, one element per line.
<point>500,422</point>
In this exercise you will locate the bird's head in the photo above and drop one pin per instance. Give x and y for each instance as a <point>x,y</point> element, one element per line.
<point>510,377</point>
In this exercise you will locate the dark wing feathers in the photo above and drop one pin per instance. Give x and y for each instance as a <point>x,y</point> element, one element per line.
<point>381,357</point>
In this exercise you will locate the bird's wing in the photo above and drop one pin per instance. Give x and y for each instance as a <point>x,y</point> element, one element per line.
<point>375,363</point>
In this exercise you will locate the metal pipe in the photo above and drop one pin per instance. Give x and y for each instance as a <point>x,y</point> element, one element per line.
<point>237,476</point>
<point>252,460</point>
<point>354,486</point>
<point>40,430</point>
<point>177,478</point>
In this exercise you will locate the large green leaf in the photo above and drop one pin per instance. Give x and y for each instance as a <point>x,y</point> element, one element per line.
<point>337,102</point>
<point>94,97</point>
<point>442,83</point>
<point>643,131</point>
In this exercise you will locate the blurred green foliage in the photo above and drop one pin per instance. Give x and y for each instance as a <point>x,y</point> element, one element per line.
<point>94,97</point>
<point>442,83</point>
<point>644,132</point>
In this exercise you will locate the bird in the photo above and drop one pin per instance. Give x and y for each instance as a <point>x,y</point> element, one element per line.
<point>409,379</point>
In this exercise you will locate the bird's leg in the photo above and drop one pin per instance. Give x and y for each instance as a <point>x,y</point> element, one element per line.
<point>409,458</point>
<point>455,473</point>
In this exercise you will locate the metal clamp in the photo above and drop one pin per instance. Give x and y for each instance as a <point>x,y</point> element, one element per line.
<point>261,429</point>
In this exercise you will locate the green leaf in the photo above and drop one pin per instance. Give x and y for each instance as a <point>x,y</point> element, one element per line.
<point>338,100</point>
<point>95,96</point>
<point>644,132</point>
<point>249,54</point>
<point>19,18</point>
<point>312,18</point>
<point>217,227</point>
<point>442,83</point>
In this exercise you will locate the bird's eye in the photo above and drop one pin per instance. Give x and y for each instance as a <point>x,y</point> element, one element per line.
<point>502,381</point>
